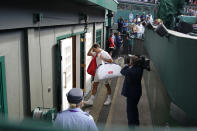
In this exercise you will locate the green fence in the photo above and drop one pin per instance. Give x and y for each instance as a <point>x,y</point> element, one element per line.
<point>175,60</point>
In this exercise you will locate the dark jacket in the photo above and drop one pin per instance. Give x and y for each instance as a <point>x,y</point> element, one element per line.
<point>120,23</point>
<point>132,84</point>
<point>119,41</point>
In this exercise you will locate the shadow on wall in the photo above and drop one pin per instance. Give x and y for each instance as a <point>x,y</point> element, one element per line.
<point>56,90</point>
<point>164,80</point>
<point>158,98</point>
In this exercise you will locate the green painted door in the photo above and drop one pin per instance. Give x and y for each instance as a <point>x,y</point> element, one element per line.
<point>3,95</point>
<point>82,60</point>
<point>98,37</point>
<point>1,92</point>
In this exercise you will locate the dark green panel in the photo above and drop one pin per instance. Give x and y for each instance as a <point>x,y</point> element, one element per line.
<point>106,18</point>
<point>168,10</point>
<point>108,4</point>
<point>175,60</point>
<point>188,19</point>
<point>98,37</point>
<point>59,100</point>
<point>3,92</point>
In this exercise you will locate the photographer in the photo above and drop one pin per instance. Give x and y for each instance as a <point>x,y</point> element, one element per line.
<point>132,89</point>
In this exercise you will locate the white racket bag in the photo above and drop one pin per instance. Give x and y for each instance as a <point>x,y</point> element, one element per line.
<point>107,71</point>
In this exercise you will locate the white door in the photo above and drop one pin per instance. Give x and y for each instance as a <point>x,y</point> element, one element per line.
<point>66,70</point>
<point>88,45</point>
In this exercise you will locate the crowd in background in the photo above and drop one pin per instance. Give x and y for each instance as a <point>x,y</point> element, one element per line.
<point>191,2</point>
<point>132,28</point>
<point>190,11</point>
<point>147,1</point>
<point>191,8</point>
<point>136,24</point>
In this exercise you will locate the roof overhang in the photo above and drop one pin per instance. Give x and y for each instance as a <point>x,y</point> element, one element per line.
<point>107,4</point>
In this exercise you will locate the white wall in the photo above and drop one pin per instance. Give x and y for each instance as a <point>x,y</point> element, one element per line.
<point>19,14</point>
<point>41,45</point>
<point>88,45</point>
<point>78,64</point>
<point>11,47</point>
<point>47,42</point>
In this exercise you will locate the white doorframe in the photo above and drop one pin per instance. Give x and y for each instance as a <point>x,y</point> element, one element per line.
<point>88,45</point>
<point>66,70</point>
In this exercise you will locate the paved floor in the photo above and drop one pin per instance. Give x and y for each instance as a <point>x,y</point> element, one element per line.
<point>114,116</point>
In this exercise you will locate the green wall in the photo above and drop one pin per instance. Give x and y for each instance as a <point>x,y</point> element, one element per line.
<point>159,100</point>
<point>175,60</point>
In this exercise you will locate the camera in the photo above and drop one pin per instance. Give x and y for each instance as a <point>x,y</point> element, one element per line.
<point>140,61</point>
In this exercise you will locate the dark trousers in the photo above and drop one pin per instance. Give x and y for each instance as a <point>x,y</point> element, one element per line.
<point>132,111</point>
<point>120,29</point>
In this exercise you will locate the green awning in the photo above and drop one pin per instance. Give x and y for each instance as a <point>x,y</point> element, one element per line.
<point>168,10</point>
<point>107,4</point>
<point>188,19</point>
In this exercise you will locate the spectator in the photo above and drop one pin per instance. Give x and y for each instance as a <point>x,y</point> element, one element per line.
<point>158,21</point>
<point>151,17</point>
<point>131,17</point>
<point>114,38</point>
<point>138,18</point>
<point>134,30</point>
<point>143,17</point>
<point>120,24</point>
<point>134,21</point>
<point>111,45</point>
<point>140,30</point>
<point>125,26</point>
<point>148,20</point>
<point>119,41</point>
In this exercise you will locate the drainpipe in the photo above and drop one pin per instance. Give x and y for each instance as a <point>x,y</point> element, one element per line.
<point>94,32</point>
<point>104,40</point>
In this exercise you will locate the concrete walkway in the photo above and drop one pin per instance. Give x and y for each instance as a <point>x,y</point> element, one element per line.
<point>114,116</point>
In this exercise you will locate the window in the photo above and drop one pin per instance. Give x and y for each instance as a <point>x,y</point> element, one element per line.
<point>106,17</point>
<point>3,96</point>
<point>98,37</point>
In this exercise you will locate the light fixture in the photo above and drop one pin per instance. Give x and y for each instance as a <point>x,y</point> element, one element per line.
<point>84,17</point>
<point>37,17</point>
